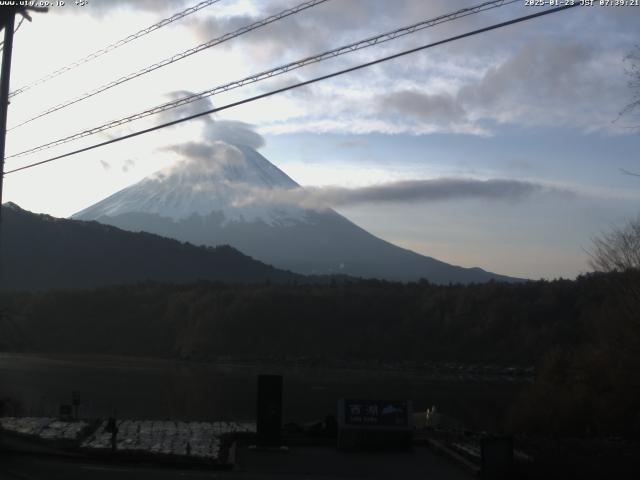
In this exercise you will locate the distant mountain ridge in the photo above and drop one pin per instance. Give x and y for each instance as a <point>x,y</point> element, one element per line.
<point>40,252</point>
<point>201,202</point>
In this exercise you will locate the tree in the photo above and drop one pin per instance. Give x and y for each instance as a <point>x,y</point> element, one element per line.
<point>633,72</point>
<point>618,253</point>
<point>617,250</point>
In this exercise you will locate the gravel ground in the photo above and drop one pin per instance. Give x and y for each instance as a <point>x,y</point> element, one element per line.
<point>196,439</point>
<point>44,427</point>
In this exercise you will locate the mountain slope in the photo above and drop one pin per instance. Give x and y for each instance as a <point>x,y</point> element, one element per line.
<point>203,202</point>
<point>41,252</point>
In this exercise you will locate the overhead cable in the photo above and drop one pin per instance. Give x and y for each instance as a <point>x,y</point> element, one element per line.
<point>352,47</point>
<point>297,85</point>
<point>113,46</point>
<point>175,58</point>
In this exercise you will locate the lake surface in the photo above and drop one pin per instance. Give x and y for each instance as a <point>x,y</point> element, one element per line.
<point>158,389</point>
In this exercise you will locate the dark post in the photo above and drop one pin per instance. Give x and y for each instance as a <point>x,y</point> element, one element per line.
<point>75,396</point>
<point>112,428</point>
<point>269,415</point>
<point>4,92</point>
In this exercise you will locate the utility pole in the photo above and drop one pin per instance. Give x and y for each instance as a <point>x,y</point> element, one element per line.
<point>9,23</point>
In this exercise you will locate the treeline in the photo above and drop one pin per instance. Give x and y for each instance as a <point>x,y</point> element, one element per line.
<point>583,334</point>
<point>492,322</point>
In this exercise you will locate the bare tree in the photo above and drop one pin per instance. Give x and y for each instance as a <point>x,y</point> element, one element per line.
<point>632,70</point>
<point>617,250</point>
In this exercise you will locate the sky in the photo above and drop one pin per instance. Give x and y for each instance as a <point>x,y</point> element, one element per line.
<point>505,150</point>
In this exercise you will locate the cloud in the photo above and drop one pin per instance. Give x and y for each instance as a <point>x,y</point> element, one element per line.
<point>205,158</point>
<point>128,164</point>
<point>570,83</point>
<point>218,152</point>
<point>441,108</point>
<point>100,7</point>
<point>507,77</point>
<point>325,26</point>
<point>401,192</point>
<point>215,130</point>
<point>187,110</point>
<point>352,143</point>
<point>467,86</point>
<point>234,133</point>
<point>572,86</point>
<point>310,31</point>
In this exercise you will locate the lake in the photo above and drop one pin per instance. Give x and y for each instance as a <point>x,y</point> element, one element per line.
<point>145,388</point>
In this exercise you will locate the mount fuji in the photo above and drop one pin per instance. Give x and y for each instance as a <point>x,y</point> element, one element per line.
<point>201,200</point>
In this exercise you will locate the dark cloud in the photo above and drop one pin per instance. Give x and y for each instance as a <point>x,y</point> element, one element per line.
<point>308,32</point>
<point>569,85</point>
<point>334,23</point>
<point>403,192</point>
<point>535,84</point>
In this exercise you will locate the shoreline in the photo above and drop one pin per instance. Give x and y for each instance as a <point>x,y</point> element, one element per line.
<point>445,371</point>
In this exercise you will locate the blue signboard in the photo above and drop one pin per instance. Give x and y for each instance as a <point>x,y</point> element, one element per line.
<point>375,413</point>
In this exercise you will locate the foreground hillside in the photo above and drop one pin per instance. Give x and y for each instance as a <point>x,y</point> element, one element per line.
<point>41,252</point>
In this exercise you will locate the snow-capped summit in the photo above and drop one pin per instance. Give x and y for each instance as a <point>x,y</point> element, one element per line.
<point>213,179</point>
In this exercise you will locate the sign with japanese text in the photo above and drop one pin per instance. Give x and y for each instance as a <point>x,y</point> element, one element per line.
<point>376,413</point>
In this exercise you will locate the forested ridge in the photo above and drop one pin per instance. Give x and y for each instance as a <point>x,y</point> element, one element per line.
<point>40,252</point>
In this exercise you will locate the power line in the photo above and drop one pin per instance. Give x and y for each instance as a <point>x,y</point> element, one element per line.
<point>16,29</point>
<point>177,57</point>
<point>297,85</point>
<point>368,42</point>
<point>113,46</point>
<point>19,25</point>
